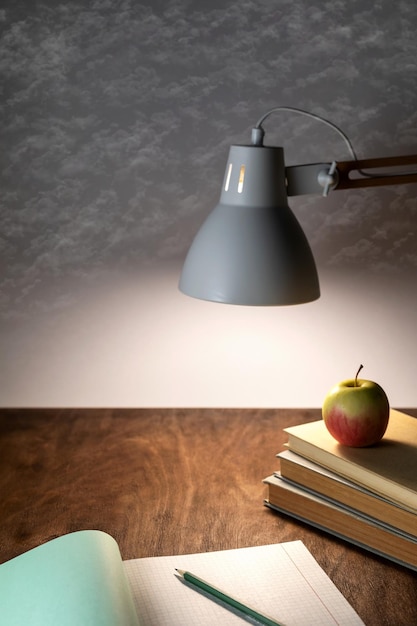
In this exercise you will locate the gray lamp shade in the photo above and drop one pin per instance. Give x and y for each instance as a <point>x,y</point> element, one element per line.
<point>251,250</point>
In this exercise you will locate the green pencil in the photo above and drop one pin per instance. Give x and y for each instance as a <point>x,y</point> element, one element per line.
<point>224,597</point>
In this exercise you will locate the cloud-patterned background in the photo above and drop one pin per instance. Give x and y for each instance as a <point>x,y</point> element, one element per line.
<point>116,119</point>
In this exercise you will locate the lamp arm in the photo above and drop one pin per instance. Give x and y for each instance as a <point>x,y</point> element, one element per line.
<point>312,178</point>
<point>376,179</point>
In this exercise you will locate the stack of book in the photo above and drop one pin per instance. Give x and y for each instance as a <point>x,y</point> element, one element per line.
<point>367,496</point>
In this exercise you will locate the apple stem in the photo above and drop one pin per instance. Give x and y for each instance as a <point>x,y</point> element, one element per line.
<point>357,373</point>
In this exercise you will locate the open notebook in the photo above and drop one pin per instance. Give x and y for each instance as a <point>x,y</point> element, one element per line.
<point>80,579</point>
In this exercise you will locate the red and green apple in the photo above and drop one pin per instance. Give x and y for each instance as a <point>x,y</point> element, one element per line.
<point>356,412</point>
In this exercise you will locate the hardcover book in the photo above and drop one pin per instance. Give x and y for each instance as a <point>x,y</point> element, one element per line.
<point>388,468</point>
<point>341,521</point>
<point>316,479</point>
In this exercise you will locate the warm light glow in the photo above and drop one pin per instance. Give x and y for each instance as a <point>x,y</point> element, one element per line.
<point>157,352</point>
<point>241,178</point>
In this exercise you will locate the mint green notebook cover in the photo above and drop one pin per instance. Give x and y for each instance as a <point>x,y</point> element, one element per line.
<point>77,579</point>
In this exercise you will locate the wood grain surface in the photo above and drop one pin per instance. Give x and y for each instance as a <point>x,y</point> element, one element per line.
<point>171,481</point>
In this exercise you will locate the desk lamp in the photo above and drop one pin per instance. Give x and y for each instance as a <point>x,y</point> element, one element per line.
<point>251,250</point>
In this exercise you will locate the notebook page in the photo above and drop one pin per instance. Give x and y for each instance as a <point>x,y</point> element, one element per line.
<point>281,580</point>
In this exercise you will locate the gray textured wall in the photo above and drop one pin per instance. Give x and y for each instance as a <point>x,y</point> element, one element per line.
<point>116,117</point>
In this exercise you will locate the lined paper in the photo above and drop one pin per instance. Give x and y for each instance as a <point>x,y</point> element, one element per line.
<point>282,580</point>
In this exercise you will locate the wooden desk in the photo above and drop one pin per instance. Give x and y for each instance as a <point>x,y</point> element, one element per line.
<point>170,481</point>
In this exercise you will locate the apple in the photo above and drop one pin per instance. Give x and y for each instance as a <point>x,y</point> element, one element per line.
<point>356,412</point>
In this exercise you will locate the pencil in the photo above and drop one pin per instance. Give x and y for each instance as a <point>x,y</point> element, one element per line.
<point>195,581</point>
